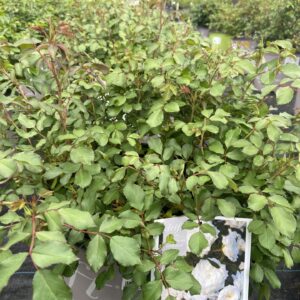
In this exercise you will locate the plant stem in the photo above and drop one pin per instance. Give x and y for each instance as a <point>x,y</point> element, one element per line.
<point>33,232</point>
<point>87,231</point>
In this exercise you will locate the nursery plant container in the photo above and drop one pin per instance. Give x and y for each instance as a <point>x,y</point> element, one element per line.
<point>204,31</point>
<point>244,44</point>
<point>220,41</point>
<point>83,283</point>
<point>232,275</point>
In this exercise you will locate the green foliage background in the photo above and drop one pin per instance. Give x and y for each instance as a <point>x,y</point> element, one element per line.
<point>259,19</point>
<point>118,116</point>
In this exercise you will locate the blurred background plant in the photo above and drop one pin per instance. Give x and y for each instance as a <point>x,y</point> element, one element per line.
<point>259,19</point>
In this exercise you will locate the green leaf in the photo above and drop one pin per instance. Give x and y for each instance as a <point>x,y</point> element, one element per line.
<point>25,121</point>
<point>53,220</point>
<point>130,291</point>
<point>8,167</point>
<point>152,290</point>
<point>172,107</point>
<point>179,58</point>
<point>217,90</point>
<point>197,243</point>
<point>96,253</point>
<point>216,147</point>
<point>145,266</point>
<point>257,202</point>
<point>135,195</point>
<point>125,250</point>
<point>258,160</point>
<point>44,236</point>
<point>118,174</point>
<point>232,136</point>
<point>247,189</point>
<point>110,224</point>
<point>30,158</point>
<point>173,188</point>
<point>227,208</point>
<point>284,95</point>
<point>256,226</point>
<point>155,228</point>
<point>158,81</point>
<point>296,255</point>
<point>151,64</point>
<point>196,288</point>
<point>50,286</point>
<point>77,218</point>
<point>178,279</point>
<point>273,132</point>
<point>9,264</point>
<point>250,150</point>
<point>257,273</point>
<point>191,182</point>
<point>83,178</point>
<point>219,180</point>
<point>83,155</point>
<point>104,277</point>
<point>211,128</point>
<point>229,170</point>
<point>284,220</point>
<point>130,219</point>
<point>189,225</point>
<point>297,172</point>
<point>169,256</point>
<point>27,41</point>
<point>291,70</point>
<point>156,145</point>
<point>14,238</point>
<point>52,173</point>
<point>272,277</point>
<point>10,217</point>
<point>45,254</point>
<point>182,264</point>
<point>267,239</point>
<point>156,118</point>
<point>207,228</point>
<point>116,78</point>
<point>288,260</point>
<point>296,84</point>
<point>247,66</point>
<point>280,201</point>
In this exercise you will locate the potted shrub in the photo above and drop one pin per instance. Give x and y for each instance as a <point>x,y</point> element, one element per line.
<point>120,117</point>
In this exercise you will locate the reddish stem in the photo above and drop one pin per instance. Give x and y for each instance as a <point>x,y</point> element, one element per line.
<point>87,231</point>
<point>33,232</point>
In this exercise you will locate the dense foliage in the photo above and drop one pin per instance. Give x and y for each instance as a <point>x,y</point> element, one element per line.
<point>116,117</point>
<point>259,19</point>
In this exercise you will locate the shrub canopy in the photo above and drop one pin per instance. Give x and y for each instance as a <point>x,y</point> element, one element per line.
<point>118,116</point>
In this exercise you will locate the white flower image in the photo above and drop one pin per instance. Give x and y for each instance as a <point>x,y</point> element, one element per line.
<point>179,295</point>
<point>230,292</point>
<point>238,280</point>
<point>211,279</point>
<point>198,297</point>
<point>232,245</point>
<point>241,244</point>
<point>235,224</point>
<point>209,237</point>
